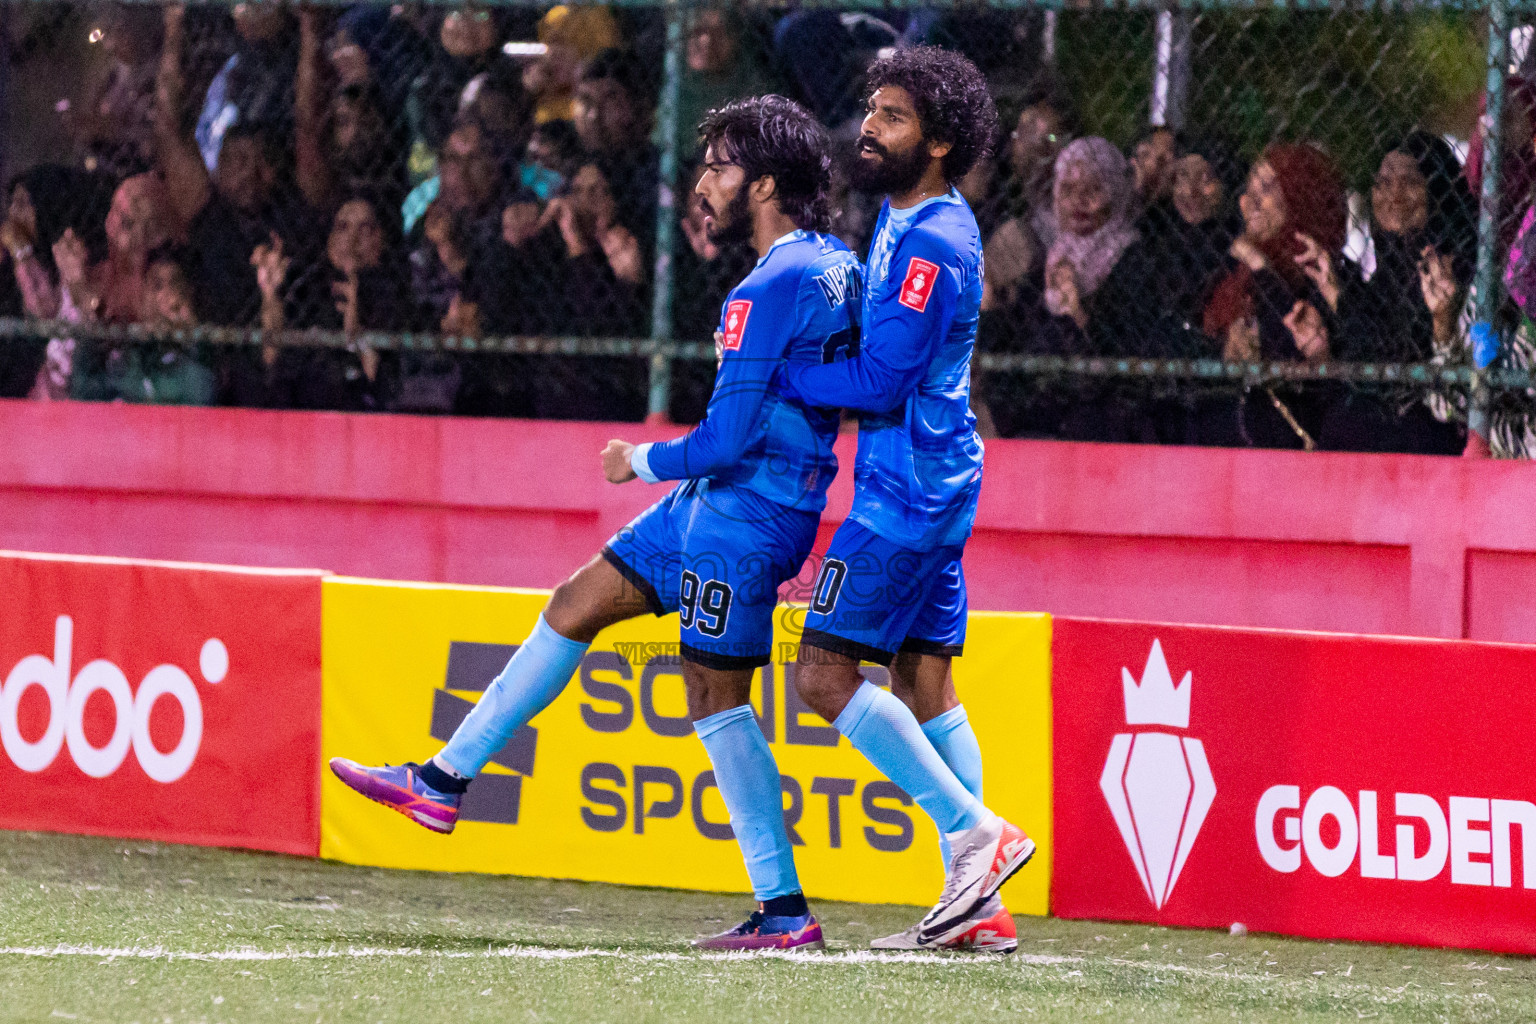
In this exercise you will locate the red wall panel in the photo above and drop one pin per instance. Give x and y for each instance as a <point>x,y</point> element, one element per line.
<point>1415,545</point>
<point>1359,588</point>
<point>1501,595</point>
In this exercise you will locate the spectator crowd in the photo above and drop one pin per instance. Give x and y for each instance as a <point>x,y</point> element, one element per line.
<point>496,172</point>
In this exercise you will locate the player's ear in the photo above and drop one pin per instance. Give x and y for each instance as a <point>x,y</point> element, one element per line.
<point>764,189</point>
<point>939,150</point>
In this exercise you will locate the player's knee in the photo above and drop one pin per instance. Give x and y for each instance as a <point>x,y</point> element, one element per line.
<point>570,612</point>
<point>825,688</point>
<point>563,603</point>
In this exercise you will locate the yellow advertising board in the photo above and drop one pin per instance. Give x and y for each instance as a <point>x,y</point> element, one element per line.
<point>610,784</point>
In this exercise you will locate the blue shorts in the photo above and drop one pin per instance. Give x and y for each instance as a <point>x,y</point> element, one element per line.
<point>716,556</point>
<point>874,598</point>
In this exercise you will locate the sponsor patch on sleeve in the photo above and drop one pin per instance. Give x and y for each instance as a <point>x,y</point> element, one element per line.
<point>735,324</point>
<point>918,284</point>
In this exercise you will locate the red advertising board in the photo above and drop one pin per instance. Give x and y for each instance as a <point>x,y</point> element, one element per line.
<point>1322,785</point>
<point>160,701</point>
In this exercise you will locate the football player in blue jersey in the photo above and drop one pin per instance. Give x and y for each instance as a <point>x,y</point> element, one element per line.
<point>890,589</point>
<point>754,477</point>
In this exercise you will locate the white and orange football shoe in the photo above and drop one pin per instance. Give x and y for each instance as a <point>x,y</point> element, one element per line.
<point>984,858</point>
<point>989,929</point>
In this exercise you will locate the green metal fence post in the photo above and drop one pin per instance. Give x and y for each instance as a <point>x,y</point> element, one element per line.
<point>666,218</point>
<point>1485,285</point>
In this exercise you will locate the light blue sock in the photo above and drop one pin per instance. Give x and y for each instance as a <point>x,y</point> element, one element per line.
<point>533,678</point>
<point>952,736</point>
<point>748,778</point>
<point>882,729</point>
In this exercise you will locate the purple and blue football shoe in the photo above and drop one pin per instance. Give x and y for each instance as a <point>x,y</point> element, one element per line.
<point>400,788</point>
<point>762,932</point>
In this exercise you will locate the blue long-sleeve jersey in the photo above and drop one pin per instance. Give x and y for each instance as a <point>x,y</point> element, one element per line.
<point>800,304</point>
<point>918,473</point>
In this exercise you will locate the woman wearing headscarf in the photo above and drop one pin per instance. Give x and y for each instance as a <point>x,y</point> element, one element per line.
<point>601,275</point>
<point>1093,300</point>
<point>1423,230</point>
<point>1281,298</point>
<point>1192,249</point>
<point>1421,208</point>
<point>360,285</point>
<point>1093,200</point>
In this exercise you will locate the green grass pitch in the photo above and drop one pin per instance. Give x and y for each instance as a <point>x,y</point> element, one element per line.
<point>116,930</point>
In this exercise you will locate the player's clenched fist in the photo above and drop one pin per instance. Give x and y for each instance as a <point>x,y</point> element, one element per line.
<point>616,461</point>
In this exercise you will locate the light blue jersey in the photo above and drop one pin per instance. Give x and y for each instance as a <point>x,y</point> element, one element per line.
<point>918,473</point>
<point>800,304</point>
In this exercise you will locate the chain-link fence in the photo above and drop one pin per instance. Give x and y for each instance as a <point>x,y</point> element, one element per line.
<point>1208,224</point>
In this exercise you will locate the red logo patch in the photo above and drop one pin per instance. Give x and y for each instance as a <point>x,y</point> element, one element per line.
<point>736,323</point>
<point>919,284</point>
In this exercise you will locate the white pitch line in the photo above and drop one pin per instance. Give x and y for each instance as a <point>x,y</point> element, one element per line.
<point>520,952</point>
<point>864,956</point>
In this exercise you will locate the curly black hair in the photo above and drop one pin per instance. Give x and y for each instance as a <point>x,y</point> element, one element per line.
<point>775,136</point>
<point>953,104</point>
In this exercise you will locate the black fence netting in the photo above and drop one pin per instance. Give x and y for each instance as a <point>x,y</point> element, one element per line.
<point>1240,226</point>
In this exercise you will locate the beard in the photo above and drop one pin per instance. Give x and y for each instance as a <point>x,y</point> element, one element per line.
<point>890,173</point>
<point>735,225</point>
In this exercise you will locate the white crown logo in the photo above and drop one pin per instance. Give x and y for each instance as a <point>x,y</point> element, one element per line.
<point>1156,701</point>
<point>1158,786</point>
